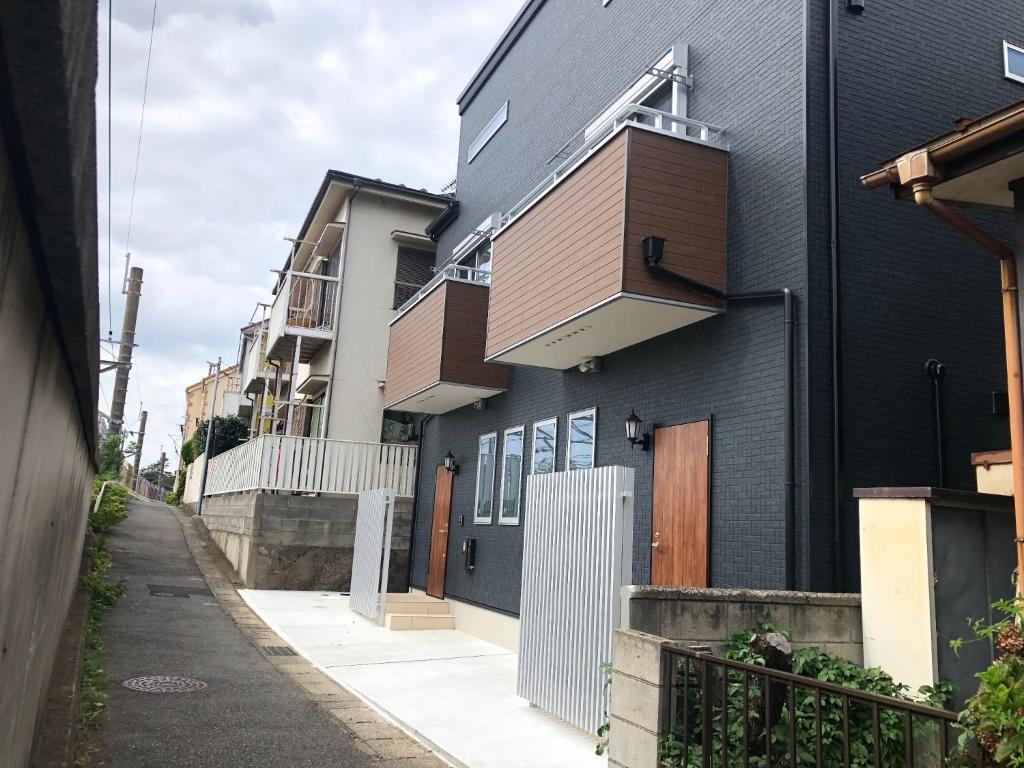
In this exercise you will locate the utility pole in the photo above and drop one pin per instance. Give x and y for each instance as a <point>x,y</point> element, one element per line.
<point>163,463</point>
<point>124,353</point>
<point>138,449</point>
<point>209,438</point>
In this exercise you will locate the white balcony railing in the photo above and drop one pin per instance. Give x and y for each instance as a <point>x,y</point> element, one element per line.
<point>313,465</point>
<point>455,272</point>
<point>255,365</point>
<point>588,140</point>
<point>304,305</point>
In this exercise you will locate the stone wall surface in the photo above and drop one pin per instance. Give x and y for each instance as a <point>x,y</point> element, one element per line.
<point>49,345</point>
<point>298,542</point>
<point>831,622</point>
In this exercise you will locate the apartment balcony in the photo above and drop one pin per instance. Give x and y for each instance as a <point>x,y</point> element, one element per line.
<point>436,355</point>
<point>257,373</point>
<point>569,277</point>
<point>302,316</point>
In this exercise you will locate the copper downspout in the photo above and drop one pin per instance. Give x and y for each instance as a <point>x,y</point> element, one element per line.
<point>1011,341</point>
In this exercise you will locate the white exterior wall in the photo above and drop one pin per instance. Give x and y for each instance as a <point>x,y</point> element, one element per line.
<point>367,293</point>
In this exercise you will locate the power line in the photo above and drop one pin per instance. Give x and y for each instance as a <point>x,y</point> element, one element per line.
<point>142,118</point>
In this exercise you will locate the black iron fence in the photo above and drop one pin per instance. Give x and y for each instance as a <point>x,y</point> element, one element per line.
<point>719,713</point>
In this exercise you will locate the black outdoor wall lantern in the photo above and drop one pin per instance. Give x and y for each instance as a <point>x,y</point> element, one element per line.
<point>633,433</point>
<point>449,463</point>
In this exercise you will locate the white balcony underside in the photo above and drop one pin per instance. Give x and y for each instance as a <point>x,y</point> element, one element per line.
<point>283,347</point>
<point>442,397</point>
<point>620,322</point>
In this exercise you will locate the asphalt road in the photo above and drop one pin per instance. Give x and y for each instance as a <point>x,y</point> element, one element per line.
<point>250,713</point>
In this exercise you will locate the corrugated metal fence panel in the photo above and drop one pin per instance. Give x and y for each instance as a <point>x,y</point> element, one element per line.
<point>371,553</point>
<point>577,554</point>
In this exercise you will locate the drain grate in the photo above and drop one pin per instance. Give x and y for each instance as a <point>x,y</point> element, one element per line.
<point>278,650</point>
<point>164,684</point>
<point>170,590</point>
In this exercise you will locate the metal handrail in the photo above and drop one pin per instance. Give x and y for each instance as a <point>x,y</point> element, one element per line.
<point>707,676</point>
<point>456,272</point>
<point>693,130</point>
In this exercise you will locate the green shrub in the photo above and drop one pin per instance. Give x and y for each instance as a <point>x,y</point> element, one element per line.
<point>103,594</point>
<point>112,508</point>
<point>818,665</point>
<point>992,722</point>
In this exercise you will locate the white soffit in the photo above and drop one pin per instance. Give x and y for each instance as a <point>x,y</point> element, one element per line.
<point>617,324</point>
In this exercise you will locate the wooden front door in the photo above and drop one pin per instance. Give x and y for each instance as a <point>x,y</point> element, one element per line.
<point>679,545</point>
<point>439,532</point>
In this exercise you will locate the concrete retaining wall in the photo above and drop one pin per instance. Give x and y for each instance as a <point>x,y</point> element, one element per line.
<point>831,622</point>
<point>298,542</point>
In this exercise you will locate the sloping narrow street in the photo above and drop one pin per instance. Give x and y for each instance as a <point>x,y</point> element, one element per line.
<point>255,709</point>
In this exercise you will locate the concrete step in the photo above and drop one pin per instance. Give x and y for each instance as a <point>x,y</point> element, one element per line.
<point>416,604</point>
<point>398,622</point>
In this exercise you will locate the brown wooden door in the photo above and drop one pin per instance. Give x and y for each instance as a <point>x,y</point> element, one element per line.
<point>679,545</point>
<point>439,532</point>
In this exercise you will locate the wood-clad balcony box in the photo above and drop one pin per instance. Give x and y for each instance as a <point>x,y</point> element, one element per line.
<point>436,353</point>
<point>569,279</point>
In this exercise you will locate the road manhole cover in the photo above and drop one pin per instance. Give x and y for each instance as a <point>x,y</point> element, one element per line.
<point>164,684</point>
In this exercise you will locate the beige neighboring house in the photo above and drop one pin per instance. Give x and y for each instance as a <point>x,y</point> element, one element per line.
<point>360,254</point>
<point>198,398</point>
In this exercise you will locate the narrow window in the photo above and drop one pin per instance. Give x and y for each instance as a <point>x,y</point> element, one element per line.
<point>487,133</point>
<point>1013,62</point>
<point>413,270</point>
<point>484,507</point>
<point>511,476</point>
<point>545,436</point>
<point>580,442</point>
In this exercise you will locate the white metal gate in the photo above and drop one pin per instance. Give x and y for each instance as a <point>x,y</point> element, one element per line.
<point>577,554</point>
<point>372,553</point>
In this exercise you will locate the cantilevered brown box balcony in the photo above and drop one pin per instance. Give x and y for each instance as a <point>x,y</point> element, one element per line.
<point>436,354</point>
<point>569,278</point>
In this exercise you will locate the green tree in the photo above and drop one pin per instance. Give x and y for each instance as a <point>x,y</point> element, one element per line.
<point>111,457</point>
<point>152,473</point>
<point>228,432</point>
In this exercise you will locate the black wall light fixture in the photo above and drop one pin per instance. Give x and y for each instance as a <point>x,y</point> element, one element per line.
<point>449,463</point>
<point>633,433</point>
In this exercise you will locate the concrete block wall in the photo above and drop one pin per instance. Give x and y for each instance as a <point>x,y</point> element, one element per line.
<point>709,617</point>
<point>634,699</point>
<point>279,541</point>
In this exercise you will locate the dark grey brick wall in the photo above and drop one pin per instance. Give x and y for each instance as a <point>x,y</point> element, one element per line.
<point>570,63</point>
<point>912,288</point>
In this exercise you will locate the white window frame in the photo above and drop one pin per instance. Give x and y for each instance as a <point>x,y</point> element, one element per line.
<point>592,412</point>
<point>553,421</point>
<point>477,519</point>
<point>487,133</point>
<point>502,520</point>
<point>1007,47</point>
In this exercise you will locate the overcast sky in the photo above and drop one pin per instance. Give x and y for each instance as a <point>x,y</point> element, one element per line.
<point>249,102</point>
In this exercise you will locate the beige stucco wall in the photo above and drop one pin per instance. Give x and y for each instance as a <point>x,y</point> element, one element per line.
<point>897,596</point>
<point>995,478</point>
<point>368,283</point>
<point>46,473</point>
<point>199,395</point>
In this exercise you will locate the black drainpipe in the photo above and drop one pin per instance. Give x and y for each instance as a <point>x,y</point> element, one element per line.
<point>653,250</point>
<point>415,498</point>
<point>838,481</point>
<point>937,372</point>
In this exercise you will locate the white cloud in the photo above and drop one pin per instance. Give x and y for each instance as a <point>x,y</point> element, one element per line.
<point>249,103</point>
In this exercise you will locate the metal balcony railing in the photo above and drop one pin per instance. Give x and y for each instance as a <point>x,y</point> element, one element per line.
<point>587,140</point>
<point>451,272</point>
<point>305,302</point>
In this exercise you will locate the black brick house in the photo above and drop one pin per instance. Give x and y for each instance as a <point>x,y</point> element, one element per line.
<point>809,97</point>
